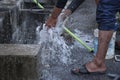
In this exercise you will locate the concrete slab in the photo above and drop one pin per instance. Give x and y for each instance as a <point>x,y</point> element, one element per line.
<point>19,49</point>
<point>19,62</point>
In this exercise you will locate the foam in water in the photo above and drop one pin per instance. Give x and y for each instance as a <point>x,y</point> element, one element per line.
<point>54,50</point>
<point>55,44</point>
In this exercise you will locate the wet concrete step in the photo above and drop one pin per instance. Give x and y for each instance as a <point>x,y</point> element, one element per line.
<point>1,22</point>
<point>19,62</point>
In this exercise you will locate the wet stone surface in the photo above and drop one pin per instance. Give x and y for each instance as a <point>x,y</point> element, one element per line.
<point>54,69</point>
<point>19,62</point>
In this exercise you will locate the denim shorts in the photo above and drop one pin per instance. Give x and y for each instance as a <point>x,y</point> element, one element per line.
<point>106,14</point>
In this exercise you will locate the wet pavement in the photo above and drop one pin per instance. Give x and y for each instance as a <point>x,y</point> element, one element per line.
<point>55,70</point>
<point>83,25</point>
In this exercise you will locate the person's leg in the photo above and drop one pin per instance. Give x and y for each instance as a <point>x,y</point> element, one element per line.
<point>106,19</point>
<point>98,64</point>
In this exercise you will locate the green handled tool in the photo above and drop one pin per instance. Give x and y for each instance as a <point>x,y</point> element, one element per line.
<point>39,5</point>
<point>76,38</point>
<point>68,31</point>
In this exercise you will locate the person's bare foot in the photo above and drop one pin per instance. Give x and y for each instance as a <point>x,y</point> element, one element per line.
<point>94,67</point>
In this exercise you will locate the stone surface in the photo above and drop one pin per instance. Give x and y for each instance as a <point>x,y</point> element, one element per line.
<point>19,62</point>
<point>5,27</point>
<point>8,4</point>
<point>19,49</point>
<point>6,9</point>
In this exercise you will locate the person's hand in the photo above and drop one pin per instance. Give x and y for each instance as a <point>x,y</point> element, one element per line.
<point>51,22</point>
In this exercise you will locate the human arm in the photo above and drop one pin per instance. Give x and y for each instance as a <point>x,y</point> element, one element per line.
<point>58,8</point>
<point>51,21</point>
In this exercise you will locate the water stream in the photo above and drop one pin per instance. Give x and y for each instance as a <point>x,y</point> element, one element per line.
<point>56,54</point>
<point>59,52</point>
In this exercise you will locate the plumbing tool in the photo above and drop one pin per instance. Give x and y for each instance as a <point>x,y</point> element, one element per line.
<point>75,37</point>
<point>38,4</point>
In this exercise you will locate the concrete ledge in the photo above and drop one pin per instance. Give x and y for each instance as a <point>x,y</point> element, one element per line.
<point>19,62</point>
<point>19,49</point>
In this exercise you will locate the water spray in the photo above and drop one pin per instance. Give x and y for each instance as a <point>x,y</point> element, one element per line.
<point>75,37</point>
<point>68,31</point>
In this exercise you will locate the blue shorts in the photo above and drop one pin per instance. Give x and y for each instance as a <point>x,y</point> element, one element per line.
<point>106,14</point>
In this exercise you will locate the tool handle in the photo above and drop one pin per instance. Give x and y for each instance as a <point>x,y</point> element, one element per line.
<point>76,38</point>
<point>39,5</point>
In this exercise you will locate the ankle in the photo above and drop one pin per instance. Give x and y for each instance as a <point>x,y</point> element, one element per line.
<point>98,62</point>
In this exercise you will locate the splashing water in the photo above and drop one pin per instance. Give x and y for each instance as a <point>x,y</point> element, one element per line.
<point>56,55</point>
<point>54,48</point>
